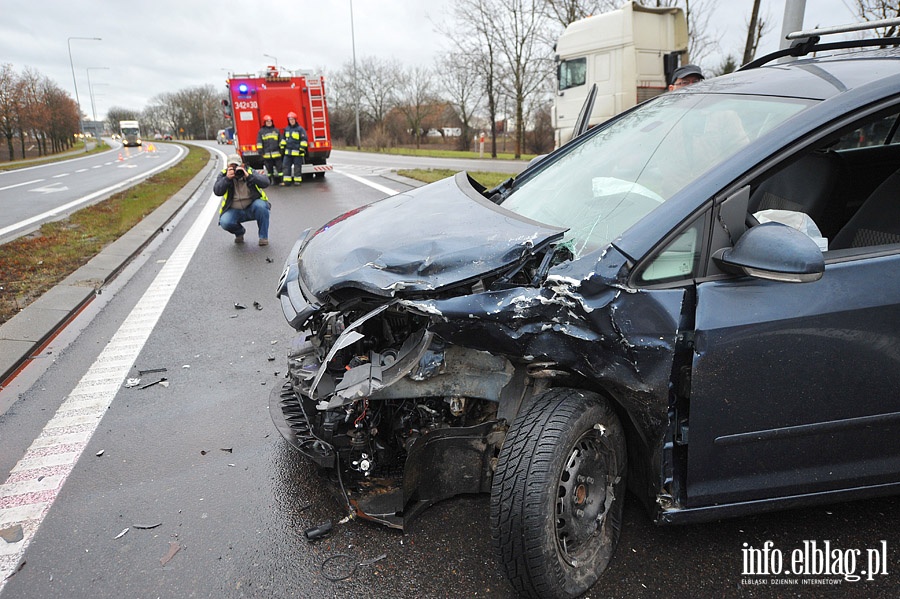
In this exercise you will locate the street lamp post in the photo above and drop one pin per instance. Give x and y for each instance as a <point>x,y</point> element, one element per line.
<point>275,60</point>
<point>355,86</point>
<point>91,88</point>
<point>75,81</point>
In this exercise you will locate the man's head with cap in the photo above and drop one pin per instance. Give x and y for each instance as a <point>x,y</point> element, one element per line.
<point>686,75</point>
<point>233,159</point>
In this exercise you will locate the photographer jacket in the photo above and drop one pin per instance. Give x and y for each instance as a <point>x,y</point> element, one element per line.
<point>225,187</point>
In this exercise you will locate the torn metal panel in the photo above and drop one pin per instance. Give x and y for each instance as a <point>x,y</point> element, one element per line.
<point>589,327</point>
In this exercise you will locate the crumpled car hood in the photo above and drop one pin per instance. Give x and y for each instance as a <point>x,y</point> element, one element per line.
<point>419,241</point>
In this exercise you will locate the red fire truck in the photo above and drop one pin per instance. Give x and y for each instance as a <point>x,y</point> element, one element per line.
<point>275,93</point>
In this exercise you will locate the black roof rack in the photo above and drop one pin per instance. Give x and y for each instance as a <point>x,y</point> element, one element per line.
<point>807,42</point>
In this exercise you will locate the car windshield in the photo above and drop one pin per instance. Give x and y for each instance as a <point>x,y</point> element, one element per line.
<point>604,185</point>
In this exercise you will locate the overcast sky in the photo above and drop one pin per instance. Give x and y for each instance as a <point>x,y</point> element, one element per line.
<point>155,46</point>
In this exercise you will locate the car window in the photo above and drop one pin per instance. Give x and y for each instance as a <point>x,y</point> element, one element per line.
<point>678,260</point>
<point>605,184</point>
<point>880,132</point>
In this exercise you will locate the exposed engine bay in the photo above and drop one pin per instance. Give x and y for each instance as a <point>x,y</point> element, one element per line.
<point>402,418</point>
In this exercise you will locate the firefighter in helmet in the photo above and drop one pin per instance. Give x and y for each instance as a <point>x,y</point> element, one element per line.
<point>293,145</point>
<point>268,144</point>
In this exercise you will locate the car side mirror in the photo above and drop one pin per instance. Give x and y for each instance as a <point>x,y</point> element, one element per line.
<point>774,252</point>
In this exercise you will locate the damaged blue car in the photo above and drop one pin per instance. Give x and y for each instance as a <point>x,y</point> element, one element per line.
<point>696,301</point>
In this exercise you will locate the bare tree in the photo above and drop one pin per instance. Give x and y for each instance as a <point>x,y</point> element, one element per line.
<point>9,121</point>
<point>526,59</point>
<point>377,81</point>
<point>35,114</point>
<point>755,30</point>
<point>416,100</point>
<point>464,87</point>
<point>483,50</point>
<point>875,10</point>
<point>564,12</point>
<point>342,106</point>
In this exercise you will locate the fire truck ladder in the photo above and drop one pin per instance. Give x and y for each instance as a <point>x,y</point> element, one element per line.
<point>317,109</point>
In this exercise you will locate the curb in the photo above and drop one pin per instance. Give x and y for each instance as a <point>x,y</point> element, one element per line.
<point>24,335</point>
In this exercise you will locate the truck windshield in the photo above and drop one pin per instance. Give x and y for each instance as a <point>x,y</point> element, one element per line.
<point>130,131</point>
<point>602,186</point>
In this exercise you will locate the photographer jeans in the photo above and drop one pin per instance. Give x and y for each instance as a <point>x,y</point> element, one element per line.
<point>231,219</point>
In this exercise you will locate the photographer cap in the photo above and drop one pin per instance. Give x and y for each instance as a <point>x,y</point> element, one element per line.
<point>233,159</point>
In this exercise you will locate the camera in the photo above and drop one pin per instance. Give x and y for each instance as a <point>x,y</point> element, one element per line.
<point>239,172</point>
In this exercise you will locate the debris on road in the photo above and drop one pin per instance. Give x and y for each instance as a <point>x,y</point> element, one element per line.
<point>318,531</point>
<point>121,534</point>
<point>146,526</point>
<point>132,383</point>
<point>12,534</point>
<point>347,571</point>
<point>150,371</point>
<point>173,549</point>
<point>100,453</point>
<point>163,381</point>
<point>257,305</point>
<point>238,306</point>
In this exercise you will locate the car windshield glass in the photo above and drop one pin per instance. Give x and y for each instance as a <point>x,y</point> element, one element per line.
<point>600,187</point>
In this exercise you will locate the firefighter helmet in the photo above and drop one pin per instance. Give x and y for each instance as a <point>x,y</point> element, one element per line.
<point>268,117</point>
<point>292,115</point>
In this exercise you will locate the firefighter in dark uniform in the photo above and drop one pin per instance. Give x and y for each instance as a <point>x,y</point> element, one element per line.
<point>268,144</point>
<point>293,145</point>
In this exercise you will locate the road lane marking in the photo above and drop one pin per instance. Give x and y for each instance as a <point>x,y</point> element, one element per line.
<point>364,181</point>
<point>21,184</point>
<point>52,188</point>
<point>61,209</point>
<point>103,380</point>
<point>61,175</point>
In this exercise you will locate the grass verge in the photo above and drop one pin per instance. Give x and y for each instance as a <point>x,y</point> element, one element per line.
<point>436,153</point>
<point>34,263</point>
<point>430,175</point>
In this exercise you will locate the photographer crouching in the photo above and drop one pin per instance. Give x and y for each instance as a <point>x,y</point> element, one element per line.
<point>243,199</point>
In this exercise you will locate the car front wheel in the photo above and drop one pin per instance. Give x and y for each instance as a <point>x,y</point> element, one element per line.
<point>558,492</point>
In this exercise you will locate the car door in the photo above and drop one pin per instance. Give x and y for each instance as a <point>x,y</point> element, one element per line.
<point>794,385</point>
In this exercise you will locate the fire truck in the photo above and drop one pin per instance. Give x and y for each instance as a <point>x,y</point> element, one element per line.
<point>276,93</point>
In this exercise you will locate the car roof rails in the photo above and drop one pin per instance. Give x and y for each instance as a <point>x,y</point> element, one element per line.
<point>807,42</point>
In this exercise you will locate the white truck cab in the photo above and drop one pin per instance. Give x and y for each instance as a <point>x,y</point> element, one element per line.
<point>629,53</point>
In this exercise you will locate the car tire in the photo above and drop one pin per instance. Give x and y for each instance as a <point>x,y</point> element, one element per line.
<point>560,472</point>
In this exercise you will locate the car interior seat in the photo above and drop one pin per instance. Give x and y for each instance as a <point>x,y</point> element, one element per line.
<point>877,222</point>
<point>813,185</point>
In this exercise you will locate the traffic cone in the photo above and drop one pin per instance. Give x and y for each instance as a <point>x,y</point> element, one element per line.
<point>120,157</point>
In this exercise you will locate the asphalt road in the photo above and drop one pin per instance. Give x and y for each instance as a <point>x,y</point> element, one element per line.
<point>33,195</point>
<point>215,503</point>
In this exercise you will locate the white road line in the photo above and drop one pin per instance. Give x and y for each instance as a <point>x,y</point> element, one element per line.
<point>21,184</point>
<point>61,175</point>
<point>102,381</point>
<point>365,181</point>
<point>61,209</point>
